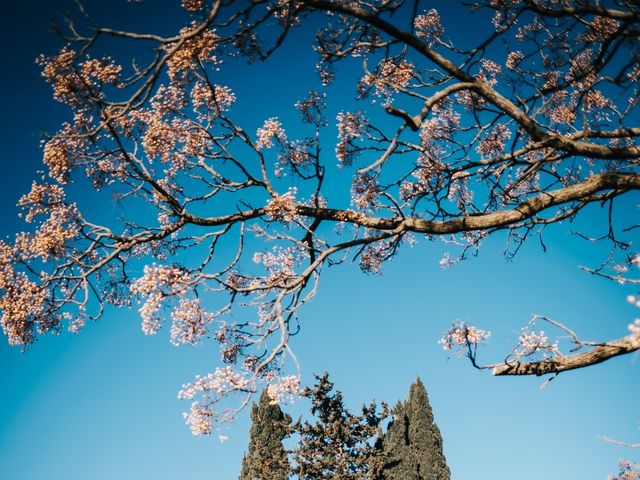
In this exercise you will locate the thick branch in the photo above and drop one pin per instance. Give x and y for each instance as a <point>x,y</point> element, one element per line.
<point>539,8</point>
<point>598,354</point>
<point>525,210</point>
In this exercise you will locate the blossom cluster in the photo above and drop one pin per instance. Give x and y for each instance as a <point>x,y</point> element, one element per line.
<point>223,380</point>
<point>158,283</point>
<point>391,75</point>
<point>282,208</point>
<point>270,130</point>
<point>279,262</point>
<point>160,136</point>
<point>398,73</point>
<point>488,74</point>
<point>199,419</point>
<point>428,26</point>
<point>210,100</point>
<point>514,59</point>
<point>459,190</point>
<point>490,70</point>
<point>364,191</point>
<point>435,134</point>
<point>211,388</point>
<point>52,235</point>
<point>58,71</point>
<point>61,150</point>
<point>22,302</point>
<point>350,127</point>
<point>192,5</point>
<point>76,323</point>
<point>601,28</point>
<point>461,336</point>
<point>168,99</point>
<point>189,322</point>
<point>438,127</point>
<point>68,147</point>
<point>193,50</point>
<point>528,29</point>
<point>166,134</point>
<point>374,255</point>
<point>42,199</point>
<point>561,109</point>
<point>628,471</point>
<point>447,261</point>
<point>56,157</point>
<point>283,389</point>
<point>230,344</point>
<point>311,108</point>
<point>284,11</point>
<point>98,71</point>
<point>536,343</point>
<point>73,85</point>
<point>493,143</point>
<point>294,154</point>
<point>563,105</point>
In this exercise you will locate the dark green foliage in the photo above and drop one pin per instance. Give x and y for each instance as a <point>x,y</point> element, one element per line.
<point>266,458</point>
<point>413,444</point>
<point>339,445</point>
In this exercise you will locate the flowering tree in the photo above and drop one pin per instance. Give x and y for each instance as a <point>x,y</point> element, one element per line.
<point>517,131</point>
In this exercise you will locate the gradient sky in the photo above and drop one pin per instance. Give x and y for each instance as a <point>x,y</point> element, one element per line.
<point>102,405</point>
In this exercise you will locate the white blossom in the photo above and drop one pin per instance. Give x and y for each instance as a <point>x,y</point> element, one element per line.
<point>284,389</point>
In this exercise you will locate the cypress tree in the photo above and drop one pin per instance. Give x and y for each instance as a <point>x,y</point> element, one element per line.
<point>412,443</point>
<point>266,458</point>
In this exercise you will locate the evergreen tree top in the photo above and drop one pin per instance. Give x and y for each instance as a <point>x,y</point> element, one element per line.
<point>266,458</point>
<point>413,443</point>
<point>340,445</point>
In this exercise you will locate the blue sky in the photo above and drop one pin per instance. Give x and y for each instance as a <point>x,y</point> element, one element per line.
<point>102,404</point>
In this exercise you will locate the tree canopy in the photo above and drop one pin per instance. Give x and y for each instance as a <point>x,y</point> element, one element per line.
<point>227,230</point>
<point>338,444</point>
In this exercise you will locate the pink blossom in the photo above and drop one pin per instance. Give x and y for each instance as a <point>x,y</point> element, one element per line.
<point>428,26</point>
<point>272,129</point>
<point>158,283</point>
<point>350,127</point>
<point>282,208</point>
<point>493,143</point>
<point>189,322</point>
<point>461,336</point>
<point>514,59</point>
<point>283,389</point>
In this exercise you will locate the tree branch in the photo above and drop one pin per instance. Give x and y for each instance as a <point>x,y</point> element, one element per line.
<point>598,354</point>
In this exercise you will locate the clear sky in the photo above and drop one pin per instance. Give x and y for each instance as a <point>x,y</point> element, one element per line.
<point>102,404</point>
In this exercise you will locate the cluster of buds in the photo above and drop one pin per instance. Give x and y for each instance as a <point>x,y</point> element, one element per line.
<point>462,336</point>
